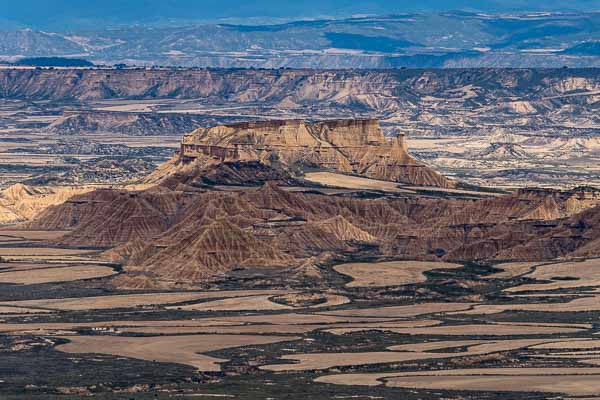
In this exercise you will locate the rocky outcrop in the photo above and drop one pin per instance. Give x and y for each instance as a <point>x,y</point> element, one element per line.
<point>356,147</point>
<point>216,247</point>
<point>136,124</point>
<point>110,217</point>
<point>101,171</point>
<point>371,89</point>
<point>248,173</point>
<point>174,236</point>
<point>81,146</point>
<point>20,202</point>
<point>341,229</point>
<point>503,151</point>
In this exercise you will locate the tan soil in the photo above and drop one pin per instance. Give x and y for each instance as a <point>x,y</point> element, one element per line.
<point>353,182</point>
<point>578,381</point>
<point>128,301</point>
<point>117,325</point>
<point>402,311</point>
<point>60,274</point>
<point>436,345</point>
<point>392,273</point>
<point>571,345</point>
<point>560,380</point>
<point>585,273</point>
<point>39,252</point>
<point>578,305</point>
<point>224,325</point>
<point>32,235</point>
<point>295,318</point>
<point>19,310</point>
<point>173,349</point>
<point>262,329</point>
<point>314,361</point>
<point>249,303</point>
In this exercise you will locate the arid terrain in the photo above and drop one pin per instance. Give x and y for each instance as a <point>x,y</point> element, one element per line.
<point>263,292</point>
<point>287,234</point>
<point>489,127</point>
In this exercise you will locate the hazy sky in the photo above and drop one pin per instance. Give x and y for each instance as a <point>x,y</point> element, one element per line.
<point>57,14</point>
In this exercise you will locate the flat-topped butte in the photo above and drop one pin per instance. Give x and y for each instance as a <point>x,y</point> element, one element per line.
<point>351,146</point>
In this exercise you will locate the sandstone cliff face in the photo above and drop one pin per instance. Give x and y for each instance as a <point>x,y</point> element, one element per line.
<point>348,146</point>
<point>177,236</point>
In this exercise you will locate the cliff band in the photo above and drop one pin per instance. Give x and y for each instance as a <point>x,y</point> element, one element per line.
<point>348,146</point>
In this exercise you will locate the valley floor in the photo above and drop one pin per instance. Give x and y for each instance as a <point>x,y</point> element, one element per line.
<point>372,330</point>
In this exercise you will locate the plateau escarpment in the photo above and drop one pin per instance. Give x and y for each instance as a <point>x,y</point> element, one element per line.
<point>537,90</point>
<point>501,127</point>
<point>348,146</point>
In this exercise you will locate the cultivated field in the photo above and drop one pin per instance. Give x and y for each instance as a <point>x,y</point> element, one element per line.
<point>582,304</point>
<point>123,301</point>
<point>393,273</point>
<point>353,182</point>
<point>396,338</point>
<point>403,311</point>
<point>247,303</point>
<point>40,252</point>
<point>31,234</point>
<point>563,276</point>
<point>320,361</point>
<point>55,274</point>
<point>173,349</point>
<point>463,330</point>
<point>574,381</point>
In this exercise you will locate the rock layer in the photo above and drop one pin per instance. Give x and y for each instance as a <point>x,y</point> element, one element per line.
<point>348,146</point>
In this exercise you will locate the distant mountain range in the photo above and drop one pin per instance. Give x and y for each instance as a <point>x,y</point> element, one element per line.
<point>74,14</point>
<point>448,39</point>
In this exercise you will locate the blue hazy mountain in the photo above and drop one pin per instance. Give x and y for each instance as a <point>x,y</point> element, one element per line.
<point>77,14</point>
<point>307,34</point>
<point>443,39</point>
